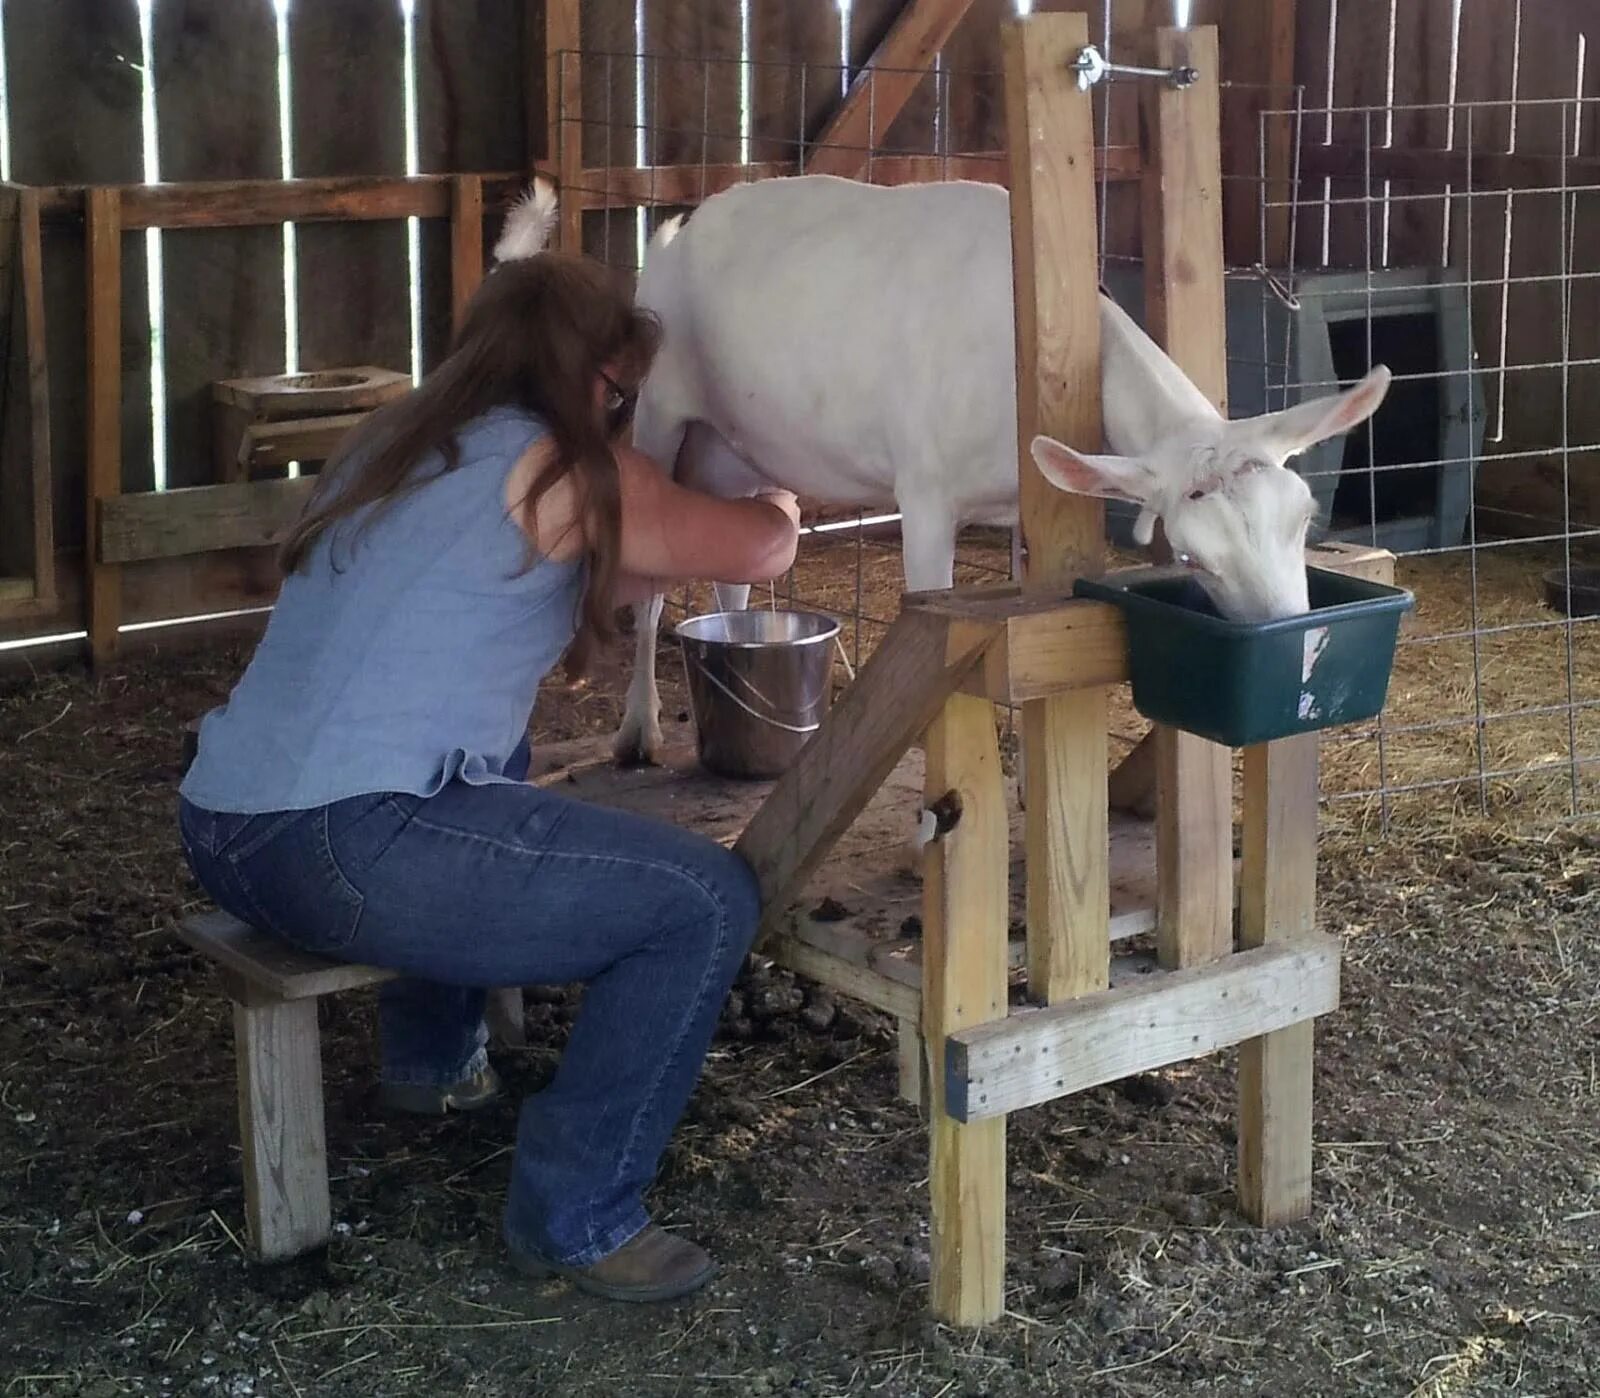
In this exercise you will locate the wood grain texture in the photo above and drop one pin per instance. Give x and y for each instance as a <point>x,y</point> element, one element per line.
<point>74,114</point>
<point>894,75</point>
<point>200,519</point>
<point>1277,903</point>
<point>282,1128</point>
<point>104,358</point>
<point>1054,241</point>
<point>1185,313</point>
<point>1036,1056</point>
<point>348,118</point>
<point>796,80</point>
<point>216,69</point>
<point>272,968</point>
<point>965,908</point>
<point>894,697</point>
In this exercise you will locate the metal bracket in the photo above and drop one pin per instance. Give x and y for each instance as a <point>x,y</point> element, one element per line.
<point>1092,68</point>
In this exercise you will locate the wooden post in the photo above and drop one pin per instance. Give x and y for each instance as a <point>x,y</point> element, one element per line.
<point>1278,901</point>
<point>466,242</point>
<point>964,921</point>
<point>1185,313</point>
<point>1050,136</point>
<point>564,111</point>
<point>103,581</point>
<point>281,1125</point>
<point>31,263</point>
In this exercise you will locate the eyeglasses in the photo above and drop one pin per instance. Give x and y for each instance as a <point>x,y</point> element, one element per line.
<point>619,404</point>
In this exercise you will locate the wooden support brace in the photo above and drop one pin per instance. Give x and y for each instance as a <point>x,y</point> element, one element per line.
<point>1184,307</point>
<point>281,1125</point>
<point>1277,903</point>
<point>897,693</point>
<point>964,921</point>
<point>466,242</point>
<point>31,268</point>
<point>104,580</point>
<point>884,86</point>
<point>1038,1055</point>
<point>1049,125</point>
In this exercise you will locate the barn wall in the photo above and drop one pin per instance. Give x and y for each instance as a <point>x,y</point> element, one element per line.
<point>75,97</point>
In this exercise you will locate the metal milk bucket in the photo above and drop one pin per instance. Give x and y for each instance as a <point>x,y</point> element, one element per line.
<point>759,683</point>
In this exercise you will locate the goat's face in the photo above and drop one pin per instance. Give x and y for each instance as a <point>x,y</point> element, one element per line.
<point>1234,513</point>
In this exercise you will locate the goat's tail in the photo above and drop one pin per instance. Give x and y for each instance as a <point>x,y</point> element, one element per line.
<point>528,226</point>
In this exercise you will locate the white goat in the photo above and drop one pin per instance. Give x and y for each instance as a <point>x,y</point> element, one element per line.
<point>856,345</point>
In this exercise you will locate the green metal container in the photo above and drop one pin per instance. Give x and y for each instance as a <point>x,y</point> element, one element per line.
<point>1239,684</point>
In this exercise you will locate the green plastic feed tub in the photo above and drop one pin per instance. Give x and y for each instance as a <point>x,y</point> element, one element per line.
<point>1239,684</point>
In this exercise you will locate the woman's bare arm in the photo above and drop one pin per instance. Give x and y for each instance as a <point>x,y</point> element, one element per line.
<point>669,532</point>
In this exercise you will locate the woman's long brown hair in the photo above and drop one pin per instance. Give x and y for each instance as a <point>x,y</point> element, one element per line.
<point>536,336</point>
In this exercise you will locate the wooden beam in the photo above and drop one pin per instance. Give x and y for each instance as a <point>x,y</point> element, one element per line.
<point>282,1127</point>
<point>1050,136</point>
<point>965,912</point>
<point>466,243</point>
<point>269,444</point>
<point>1485,172</point>
<point>1038,1055</point>
<point>849,976</point>
<point>1184,309</point>
<point>1277,904</point>
<point>897,66</point>
<point>272,967</point>
<point>104,263</point>
<point>896,695</point>
<point>563,42</point>
<point>256,203</point>
<point>199,519</point>
<point>1257,39</point>
<point>42,493</point>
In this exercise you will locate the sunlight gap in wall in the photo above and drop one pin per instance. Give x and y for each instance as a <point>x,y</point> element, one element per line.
<point>152,249</point>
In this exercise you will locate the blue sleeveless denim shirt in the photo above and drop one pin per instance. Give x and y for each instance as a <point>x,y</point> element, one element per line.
<point>401,658</point>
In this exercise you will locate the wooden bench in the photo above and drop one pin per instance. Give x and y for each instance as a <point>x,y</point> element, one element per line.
<point>278,1050</point>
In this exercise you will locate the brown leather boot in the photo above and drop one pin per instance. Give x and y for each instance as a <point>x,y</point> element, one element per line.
<point>653,1265</point>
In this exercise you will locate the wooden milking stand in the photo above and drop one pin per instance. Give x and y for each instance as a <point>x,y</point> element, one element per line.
<point>951,656</point>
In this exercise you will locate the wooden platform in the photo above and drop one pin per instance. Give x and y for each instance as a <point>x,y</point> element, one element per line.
<point>850,929</point>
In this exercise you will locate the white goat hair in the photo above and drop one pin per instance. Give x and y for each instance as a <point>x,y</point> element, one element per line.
<point>529,223</point>
<point>855,344</point>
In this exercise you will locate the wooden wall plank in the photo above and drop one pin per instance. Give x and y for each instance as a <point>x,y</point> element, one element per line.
<point>74,101</point>
<point>795,82</point>
<point>347,62</point>
<point>470,74</point>
<point>610,112</point>
<point>217,119</point>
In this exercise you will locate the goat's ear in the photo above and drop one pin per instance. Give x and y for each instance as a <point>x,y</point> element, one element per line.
<point>1146,397</point>
<point>1293,430</point>
<point>1106,477</point>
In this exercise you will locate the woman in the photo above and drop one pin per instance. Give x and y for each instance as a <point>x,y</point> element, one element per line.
<point>362,793</point>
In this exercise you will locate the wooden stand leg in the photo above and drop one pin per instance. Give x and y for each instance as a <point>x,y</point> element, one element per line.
<point>103,216</point>
<point>964,983</point>
<point>1184,300</point>
<point>281,1126</point>
<point>913,1063</point>
<point>1278,900</point>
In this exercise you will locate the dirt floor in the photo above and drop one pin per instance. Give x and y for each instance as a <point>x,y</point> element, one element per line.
<point>1453,1247</point>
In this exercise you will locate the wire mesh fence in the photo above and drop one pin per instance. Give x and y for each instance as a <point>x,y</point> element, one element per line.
<point>1455,242</point>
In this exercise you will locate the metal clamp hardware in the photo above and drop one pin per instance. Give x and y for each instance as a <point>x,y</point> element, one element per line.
<point>1276,287</point>
<point>1092,68</point>
<point>938,819</point>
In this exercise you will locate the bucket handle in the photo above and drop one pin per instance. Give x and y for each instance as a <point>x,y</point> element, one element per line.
<point>759,717</point>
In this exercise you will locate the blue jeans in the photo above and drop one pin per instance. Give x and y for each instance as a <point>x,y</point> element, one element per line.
<point>488,886</point>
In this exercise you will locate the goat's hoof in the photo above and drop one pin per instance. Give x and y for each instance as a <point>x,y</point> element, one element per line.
<point>636,746</point>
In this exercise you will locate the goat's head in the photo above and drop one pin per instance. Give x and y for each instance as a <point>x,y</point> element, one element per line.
<point>1233,512</point>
